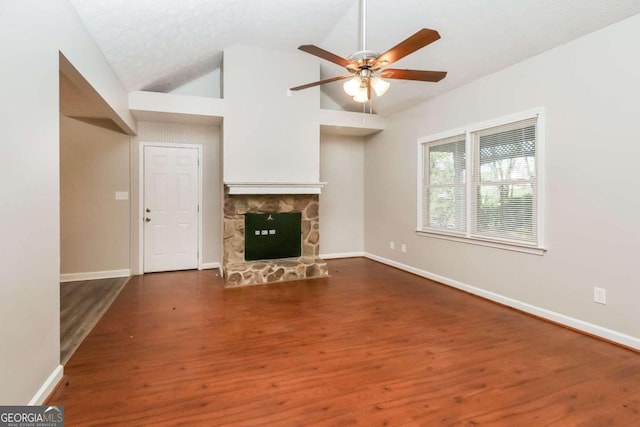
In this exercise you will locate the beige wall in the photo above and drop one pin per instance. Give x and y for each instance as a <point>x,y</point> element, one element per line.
<point>209,138</point>
<point>589,89</point>
<point>32,33</point>
<point>94,227</point>
<point>342,198</point>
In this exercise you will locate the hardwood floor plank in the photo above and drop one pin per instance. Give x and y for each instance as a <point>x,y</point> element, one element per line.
<point>371,345</point>
<point>82,303</point>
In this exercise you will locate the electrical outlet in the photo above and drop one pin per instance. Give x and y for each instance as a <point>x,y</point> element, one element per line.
<point>599,295</point>
<point>403,248</point>
<point>392,244</point>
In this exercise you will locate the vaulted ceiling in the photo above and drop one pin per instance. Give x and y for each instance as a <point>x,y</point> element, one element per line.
<point>159,45</point>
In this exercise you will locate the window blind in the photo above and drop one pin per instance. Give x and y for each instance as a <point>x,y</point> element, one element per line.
<point>444,197</point>
<point>504,185</point>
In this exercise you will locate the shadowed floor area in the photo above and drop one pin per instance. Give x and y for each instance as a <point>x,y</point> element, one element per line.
<point>370,345</point>
<point>82,304</point>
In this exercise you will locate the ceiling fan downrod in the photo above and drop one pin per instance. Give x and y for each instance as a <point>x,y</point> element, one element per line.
<point>363,57</point>
<point>363,25</point>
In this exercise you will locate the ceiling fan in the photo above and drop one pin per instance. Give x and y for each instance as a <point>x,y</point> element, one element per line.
<point>367,68</point>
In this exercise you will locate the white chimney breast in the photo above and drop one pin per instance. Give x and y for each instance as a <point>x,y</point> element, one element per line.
<point>270,137</point>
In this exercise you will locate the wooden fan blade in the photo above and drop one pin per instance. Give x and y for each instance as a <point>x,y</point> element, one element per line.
<point>321,82</point>
<point>321,53</point>
<point>417,41</point>
<point>421,75</point>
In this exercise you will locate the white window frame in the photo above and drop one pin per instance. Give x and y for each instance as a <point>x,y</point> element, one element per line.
<point>466,237</point>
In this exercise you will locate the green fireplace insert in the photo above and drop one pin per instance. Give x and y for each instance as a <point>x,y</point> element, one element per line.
<point>272,235</point>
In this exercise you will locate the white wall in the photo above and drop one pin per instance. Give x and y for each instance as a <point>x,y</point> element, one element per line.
<point>209,138</point>
<point>269,136</point>
<point>94,227</point>
<point>589,89</point>
<point>207,85</point>
<point>32,32</point>
<point>342,198</point>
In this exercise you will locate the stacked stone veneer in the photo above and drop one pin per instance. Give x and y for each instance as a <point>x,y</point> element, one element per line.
<point>238,272</point>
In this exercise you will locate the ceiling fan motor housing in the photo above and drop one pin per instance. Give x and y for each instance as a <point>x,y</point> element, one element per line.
<point>362,59</point>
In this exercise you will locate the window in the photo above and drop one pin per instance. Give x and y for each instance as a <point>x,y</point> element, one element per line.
<point>482,184</point>
<point>445,161</point>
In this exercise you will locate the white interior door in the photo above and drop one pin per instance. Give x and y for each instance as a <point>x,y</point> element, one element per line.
<point>170,208</point>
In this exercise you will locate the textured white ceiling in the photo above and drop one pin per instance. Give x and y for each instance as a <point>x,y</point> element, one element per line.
<point>162,44</point>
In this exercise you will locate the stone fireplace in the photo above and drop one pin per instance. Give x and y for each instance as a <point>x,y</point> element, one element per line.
<point>240,272</point>
<point>270,160</point>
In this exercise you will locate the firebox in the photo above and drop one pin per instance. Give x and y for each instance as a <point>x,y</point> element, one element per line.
<point>272,235</point>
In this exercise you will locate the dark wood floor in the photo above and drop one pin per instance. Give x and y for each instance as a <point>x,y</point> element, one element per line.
<point>82,304</point>
<point>369,346</point>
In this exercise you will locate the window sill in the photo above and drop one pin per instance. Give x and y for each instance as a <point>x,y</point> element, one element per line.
<point>533,250</point>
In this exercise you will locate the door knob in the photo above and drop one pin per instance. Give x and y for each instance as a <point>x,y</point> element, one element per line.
<point>147,219</point>
<point>147,210</point>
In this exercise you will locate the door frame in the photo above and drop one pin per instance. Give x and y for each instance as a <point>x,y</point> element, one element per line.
<point>142,145</point>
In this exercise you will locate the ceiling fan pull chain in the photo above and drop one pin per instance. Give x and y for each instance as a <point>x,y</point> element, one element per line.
<point>364,112</point>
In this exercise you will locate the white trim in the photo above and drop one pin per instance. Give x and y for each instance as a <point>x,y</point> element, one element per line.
<point>209,265</point>
<point>581,325</point>
<point>47,387</point>
<point>140,216</point>
<point>342,255</point>
<point>522,115</point>
<point>141,146</point>
<point>541,152</point>
<point>94,275</point>
<point>470,171</point>
<point>420,185</point>
<point>442,135</point>
<point>200,203</point>
<point>516,247</point>
<point>275,187</point>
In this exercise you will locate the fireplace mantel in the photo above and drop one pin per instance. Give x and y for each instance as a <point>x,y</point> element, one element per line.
<point>274,187</point>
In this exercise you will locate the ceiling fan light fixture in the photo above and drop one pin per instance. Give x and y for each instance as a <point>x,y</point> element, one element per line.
<point>379,86</point>
<point>352,86</point>
<point>362,95</point>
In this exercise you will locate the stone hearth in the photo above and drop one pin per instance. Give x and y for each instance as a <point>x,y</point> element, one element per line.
<point>239,272</point>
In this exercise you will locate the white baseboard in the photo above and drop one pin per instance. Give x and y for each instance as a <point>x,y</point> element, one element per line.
<point>342,255</point>
<point>209,265</point>
<point>94,275</point>
<point>590,328</point>
<point>47,387</point>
